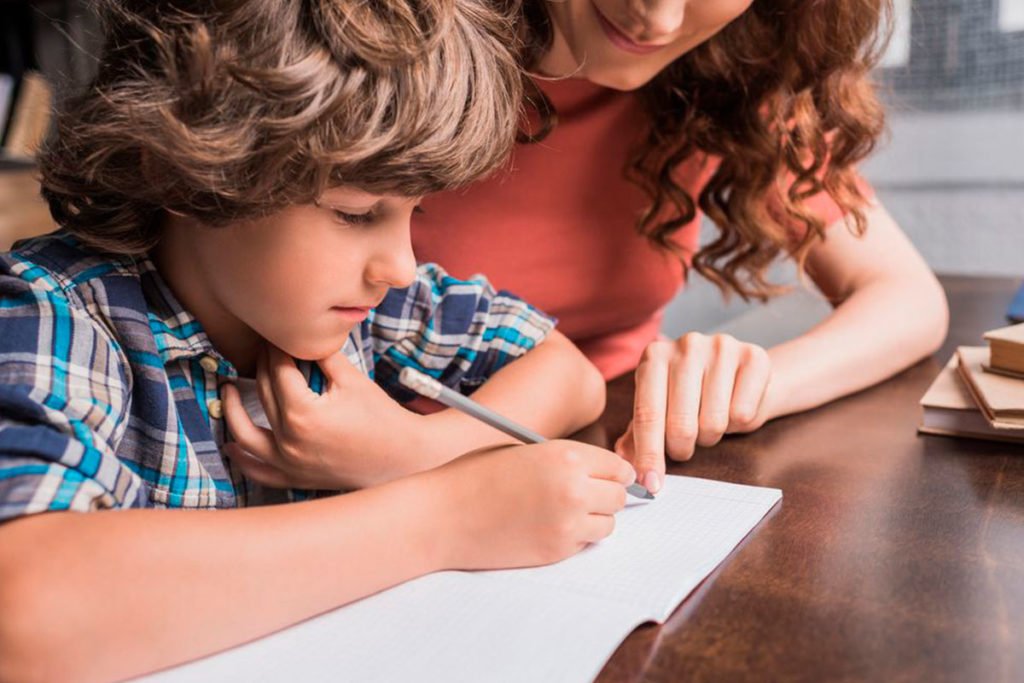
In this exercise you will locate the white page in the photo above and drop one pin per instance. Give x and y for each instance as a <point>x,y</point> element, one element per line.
<point>663,549</point>
<point>450,627</point>
<point>559,623</point>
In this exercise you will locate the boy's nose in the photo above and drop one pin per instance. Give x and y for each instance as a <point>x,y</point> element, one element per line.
<point>394,265</point>
<point>659,18</point>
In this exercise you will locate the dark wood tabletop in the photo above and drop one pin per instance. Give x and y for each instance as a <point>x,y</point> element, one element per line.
<point>893,556</point>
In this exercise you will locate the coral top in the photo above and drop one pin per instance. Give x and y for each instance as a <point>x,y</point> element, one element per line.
<point>559,228</point>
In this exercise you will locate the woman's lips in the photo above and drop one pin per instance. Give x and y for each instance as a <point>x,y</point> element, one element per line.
<point>621,40</point>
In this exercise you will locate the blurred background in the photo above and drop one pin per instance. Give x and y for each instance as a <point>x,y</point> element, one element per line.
<point>951,170</point>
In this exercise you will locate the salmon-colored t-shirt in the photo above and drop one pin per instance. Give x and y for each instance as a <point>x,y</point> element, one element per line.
<point>559,228</point>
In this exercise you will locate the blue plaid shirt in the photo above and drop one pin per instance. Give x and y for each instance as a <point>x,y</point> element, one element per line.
<point>108,387</point>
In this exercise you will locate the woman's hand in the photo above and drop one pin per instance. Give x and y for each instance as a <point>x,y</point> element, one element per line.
<point>348,437</point>
<point>690,392</point>
<point>517,506</point>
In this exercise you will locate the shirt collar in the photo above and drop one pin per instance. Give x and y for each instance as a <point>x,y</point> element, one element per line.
<point>177,333</point>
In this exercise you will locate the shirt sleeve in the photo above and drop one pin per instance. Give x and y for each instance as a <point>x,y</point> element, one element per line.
<point>63,400</point>
<point>458,331</point>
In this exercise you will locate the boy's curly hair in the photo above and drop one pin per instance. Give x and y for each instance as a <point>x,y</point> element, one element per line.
<point>229,109</point>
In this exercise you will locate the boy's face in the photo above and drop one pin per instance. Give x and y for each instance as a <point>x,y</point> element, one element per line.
<point>303,278</point>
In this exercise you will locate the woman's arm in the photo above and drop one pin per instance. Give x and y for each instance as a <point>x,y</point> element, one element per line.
<point>322,441</point>
<point>107,595</point>
<point>890,311</point>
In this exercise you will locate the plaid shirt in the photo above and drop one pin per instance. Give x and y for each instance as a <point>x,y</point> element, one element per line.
<point>108,387</point>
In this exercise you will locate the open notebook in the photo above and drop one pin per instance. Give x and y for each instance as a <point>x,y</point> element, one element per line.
<point>556,623</point>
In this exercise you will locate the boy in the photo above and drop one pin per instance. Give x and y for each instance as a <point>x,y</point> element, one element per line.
<point>235,191</point>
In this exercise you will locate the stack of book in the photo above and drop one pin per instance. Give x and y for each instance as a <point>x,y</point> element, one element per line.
<point>980,392</point>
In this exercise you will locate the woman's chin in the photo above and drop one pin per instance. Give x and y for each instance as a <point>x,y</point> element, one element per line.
<point>622,79</point>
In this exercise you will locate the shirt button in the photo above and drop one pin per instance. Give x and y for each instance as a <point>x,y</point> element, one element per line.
<point>216,408</point>
<point>209,363</point>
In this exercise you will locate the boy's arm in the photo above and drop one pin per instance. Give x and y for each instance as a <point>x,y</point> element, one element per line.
<point>553,390</point>
<point>354,435</point>
<point>465,334</point>
<point>107,595</point>
<point>470,337</point>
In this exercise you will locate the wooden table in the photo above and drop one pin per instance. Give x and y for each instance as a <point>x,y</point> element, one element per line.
<point>893,557</point>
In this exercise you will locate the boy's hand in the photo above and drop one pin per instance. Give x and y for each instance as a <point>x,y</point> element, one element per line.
<point>690,392</point>
<point>347,437</point>
<point>517,506</point>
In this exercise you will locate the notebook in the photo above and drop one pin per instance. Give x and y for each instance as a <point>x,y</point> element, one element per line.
<point>556,623</point>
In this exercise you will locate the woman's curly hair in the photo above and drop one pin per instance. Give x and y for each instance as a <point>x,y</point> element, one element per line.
<point>782,100</point>
<point>231,109</point>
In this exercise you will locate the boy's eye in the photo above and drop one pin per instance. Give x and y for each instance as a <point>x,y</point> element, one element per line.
<point>354,218</point>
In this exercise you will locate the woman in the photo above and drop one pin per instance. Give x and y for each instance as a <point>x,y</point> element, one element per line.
<point>652,112</point>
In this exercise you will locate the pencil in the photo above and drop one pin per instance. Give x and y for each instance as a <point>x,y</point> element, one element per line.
<point>429,387</point>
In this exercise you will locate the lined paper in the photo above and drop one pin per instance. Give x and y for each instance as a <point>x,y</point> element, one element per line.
<point>558,623</point>
<point>661,550</point>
